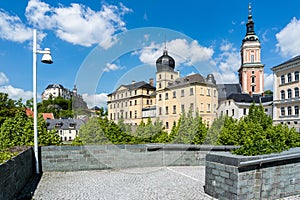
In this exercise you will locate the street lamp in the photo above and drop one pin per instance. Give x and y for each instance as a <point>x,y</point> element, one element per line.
<point>48,60</point>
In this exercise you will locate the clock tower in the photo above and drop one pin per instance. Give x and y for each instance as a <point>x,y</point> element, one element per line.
<point>251,72</point>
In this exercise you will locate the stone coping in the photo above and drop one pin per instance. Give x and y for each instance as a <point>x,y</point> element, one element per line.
<point>240,161</point>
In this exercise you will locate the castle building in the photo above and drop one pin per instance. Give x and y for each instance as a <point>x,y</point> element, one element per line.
<point>251,72</point>
<point>286,93</point>
<point>172,96</point>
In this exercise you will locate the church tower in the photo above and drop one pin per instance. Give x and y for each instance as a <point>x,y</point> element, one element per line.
<point>251,72</point>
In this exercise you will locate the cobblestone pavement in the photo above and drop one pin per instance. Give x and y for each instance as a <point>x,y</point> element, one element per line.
<point>146,183</point>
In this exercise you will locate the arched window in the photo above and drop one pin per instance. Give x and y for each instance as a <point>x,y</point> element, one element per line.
<point>282,79</point>
<point>297,110</point>
<point>289,77</point>
<point>282,93</point>
<point>296,75</point>
<point>296,92</point>
<point>282,111</point>
<point>289,91</point>
<point>289,110</point>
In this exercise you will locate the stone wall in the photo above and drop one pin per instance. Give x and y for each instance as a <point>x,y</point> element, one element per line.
<point>72,158</point>
<point>272,176</point>
<point>15,173</point>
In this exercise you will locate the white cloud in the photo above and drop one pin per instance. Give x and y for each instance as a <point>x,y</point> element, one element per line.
<point>182,51</point>
<point>99,100</point>
<point>288,40</point>
<point>111,67</point>
<point>78,24</point>
<point>268,81</point>
<point>228,63</point>
<point>12,28</point>
<point>16,93</point>
<point>3,79</point>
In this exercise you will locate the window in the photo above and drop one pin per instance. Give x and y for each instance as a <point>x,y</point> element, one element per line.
<point>171,76</point>
<point>192,107</point>
<point>253,88</point>
<point>130,103</point>
<point>167,125</point>
<point>289,77</point>
<point>135,92</point>
<point>130,115</point>
<point>215,93</point>
<point>208,92</point>
<point>289,110</point>
<point>159,97</point>
<point>296,92</point>
<point>174,109</point>
<point>296,75</point>
<point>282,79</point>
<point>282,94</point>
<point>147,102</point>
<point>174,94</point>
<point>159,85</point>
<point>232,112</point>
<point>252,72</point>
<point>147,91</point>
<point>167,110</point>
<point>208,107</point>
<point>191,91</point>
<point>135,114</point>
<point>182,93</point>
<point>253,79</point>
<point>289,93</point>
<point>135,102</point>
<point>245,111</point>
<point>160,111</point>
<point>159,77</point>
<point>167,96</point>
<point>282,111</point>
<point>252,58</point>
<point>296,110</point>
<point>182,108</point>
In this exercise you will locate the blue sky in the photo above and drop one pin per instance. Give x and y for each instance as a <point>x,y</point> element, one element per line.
<point>99,45</point>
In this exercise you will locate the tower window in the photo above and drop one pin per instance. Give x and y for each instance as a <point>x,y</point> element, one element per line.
<point>252,58</point>
<point>253,88</point>
<point>253,79</point>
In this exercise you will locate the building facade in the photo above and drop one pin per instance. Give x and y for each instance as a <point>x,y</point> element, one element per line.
<point>286,93</point>
<point>251,72</point>
<point>67,129</point>
<point>172,96</point>
<point>132,102</point>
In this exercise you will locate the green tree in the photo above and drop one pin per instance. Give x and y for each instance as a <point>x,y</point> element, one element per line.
<point>92,133</point>
<point>213,132</point>
<point>8,107</point>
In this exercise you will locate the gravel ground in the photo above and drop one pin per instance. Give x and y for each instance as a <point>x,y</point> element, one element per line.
<point>130,184</point>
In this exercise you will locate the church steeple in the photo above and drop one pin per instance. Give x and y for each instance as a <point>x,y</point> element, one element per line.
<point>251,72</point>
<point>250,23</point>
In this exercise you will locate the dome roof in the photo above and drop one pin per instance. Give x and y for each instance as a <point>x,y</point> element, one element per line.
<point>165,62</point>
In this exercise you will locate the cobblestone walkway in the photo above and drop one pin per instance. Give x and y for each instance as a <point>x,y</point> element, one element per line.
<point>180,183</point>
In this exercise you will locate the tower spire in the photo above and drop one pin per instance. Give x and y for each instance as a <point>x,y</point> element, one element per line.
<point>249,10</point>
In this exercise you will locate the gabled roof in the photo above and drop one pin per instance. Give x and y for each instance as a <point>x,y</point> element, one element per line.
<point>194,78</point>
<point>63,124</point>
<point>297,58</point>
<point>225,90</point>
<point>134,86</point>
<point>246,98</point>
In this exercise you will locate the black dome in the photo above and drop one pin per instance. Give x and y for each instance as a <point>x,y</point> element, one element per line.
<point>165,62</point>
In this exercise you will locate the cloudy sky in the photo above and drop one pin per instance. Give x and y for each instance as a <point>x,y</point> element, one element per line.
<point>99,45</point>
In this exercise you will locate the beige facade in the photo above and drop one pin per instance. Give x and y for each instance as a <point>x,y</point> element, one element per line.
<point>172,96</point>
<point>286,93</point>
<point>132,102</point>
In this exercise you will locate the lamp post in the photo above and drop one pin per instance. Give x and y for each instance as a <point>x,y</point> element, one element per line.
<point>48,60</point>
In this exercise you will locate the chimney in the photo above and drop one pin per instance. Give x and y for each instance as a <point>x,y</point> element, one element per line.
<point>151,81</point>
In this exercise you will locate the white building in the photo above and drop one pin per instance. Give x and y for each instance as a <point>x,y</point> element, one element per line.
<point>67,129</point>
